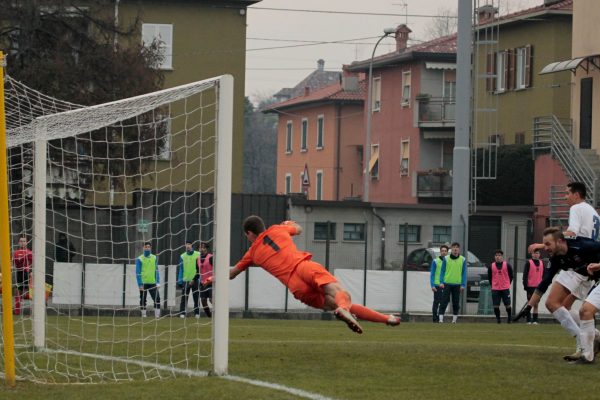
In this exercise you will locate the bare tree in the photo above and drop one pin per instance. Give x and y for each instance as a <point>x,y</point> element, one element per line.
<point>67,49</point>
<point>260,148</point>
<point>444,24</point>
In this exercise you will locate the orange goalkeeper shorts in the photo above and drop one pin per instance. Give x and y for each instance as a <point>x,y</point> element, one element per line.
<point>306,283</point>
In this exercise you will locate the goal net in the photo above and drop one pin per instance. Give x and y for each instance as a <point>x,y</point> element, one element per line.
<point>88,186</point>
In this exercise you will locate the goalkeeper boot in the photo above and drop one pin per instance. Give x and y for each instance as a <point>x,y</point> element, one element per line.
<point>345,315</point>
<point>144,314</point>
<point>157,312</point>
<point>393,320</point>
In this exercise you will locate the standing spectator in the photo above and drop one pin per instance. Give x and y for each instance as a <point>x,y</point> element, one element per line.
<point>453,280</point>
<point>23,260</point>
<point>500,275</point>
<point>188,278</point>
<point>434,281</point>
<point>148,279</point>
<point>532,276</point>
<point>205,266</point>
<point>64,251</point>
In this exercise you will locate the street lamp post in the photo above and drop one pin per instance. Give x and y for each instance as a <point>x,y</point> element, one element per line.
<point>386,33</point>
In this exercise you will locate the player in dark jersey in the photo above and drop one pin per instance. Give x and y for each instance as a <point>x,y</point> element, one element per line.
<point>566,254</point>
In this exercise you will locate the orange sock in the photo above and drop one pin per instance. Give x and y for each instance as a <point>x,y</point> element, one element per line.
<point>342,299</point>
<point>367,314</point>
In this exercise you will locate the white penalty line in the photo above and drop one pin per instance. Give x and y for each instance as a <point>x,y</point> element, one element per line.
<point>198,374</point>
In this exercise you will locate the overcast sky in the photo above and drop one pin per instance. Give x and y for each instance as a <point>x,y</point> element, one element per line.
<point>267,71</point>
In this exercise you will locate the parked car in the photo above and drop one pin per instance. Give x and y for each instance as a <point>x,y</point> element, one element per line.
<point>420,260</point>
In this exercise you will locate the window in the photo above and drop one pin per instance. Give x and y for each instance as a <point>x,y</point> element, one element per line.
<point>303,138</point>
<point>523,68</point>
<point>354,232</point>
<point>497,139</point>
<point>301,182</point>
<point>414,233</point>
<point>442,234</point>
<point>404,157</point>
<point>288,137</point>
<point>321,231</point>
<point>320,133</point>
<point>447,154</point>
<point>449,90</point>
<point>501,71</point>
<point>406,77</point>
<point>319,188</point>
<point>288,183</point>
<point>163,35</point>
<point>520,68</point>
<point>376,94</point>
<point>520,138</point>
<point>374,162</point>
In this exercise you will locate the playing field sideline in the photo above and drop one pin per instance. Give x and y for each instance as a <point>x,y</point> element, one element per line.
<point>323,359</point>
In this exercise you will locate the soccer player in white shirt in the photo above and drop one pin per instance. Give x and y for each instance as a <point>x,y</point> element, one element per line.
<point>570,286</point>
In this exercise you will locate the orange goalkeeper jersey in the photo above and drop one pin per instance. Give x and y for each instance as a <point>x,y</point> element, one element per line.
<point>275,251</point>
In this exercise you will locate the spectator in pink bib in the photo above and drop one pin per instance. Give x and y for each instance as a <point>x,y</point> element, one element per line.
<point>500,275</point>
<point>532,276</point>
<point>205,268</point>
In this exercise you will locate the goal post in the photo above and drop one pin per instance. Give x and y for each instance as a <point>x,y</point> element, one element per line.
<point>88,186</point>
<point>223,226</point>
<point>5,261</point>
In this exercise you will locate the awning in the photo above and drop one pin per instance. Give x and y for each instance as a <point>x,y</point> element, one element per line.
<point>374,157</point>
<point>440,65</point>
<point>567,65</point>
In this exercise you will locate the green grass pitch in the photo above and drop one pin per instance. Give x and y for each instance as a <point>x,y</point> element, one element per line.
<point>324,358</point>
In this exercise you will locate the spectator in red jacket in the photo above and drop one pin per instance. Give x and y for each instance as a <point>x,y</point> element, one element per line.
<point>23,260</point>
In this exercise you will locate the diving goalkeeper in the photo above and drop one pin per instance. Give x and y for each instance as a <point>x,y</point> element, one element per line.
<point>274,251</point>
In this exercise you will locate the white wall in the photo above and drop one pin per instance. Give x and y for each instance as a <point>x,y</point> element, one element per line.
<point>104,283</point>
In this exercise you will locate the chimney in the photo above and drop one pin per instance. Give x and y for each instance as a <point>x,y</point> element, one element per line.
<point>321,64</point>
<point>350,83</point>
<point>306,90</point>
<point>486,14</point>
<point>402,32</point>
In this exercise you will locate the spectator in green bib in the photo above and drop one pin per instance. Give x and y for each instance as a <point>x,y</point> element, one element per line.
<point>148,279</point>
<point>434,280</point>
<point>188,278</point>
<point>453,280</point>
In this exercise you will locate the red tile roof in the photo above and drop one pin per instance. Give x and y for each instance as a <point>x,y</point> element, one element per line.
<point>333,92</point>
<point>444,46</point>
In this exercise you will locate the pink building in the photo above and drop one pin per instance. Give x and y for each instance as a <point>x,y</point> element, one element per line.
<point>410,155</point>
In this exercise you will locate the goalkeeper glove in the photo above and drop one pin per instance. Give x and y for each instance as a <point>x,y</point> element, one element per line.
<point>524,312</point>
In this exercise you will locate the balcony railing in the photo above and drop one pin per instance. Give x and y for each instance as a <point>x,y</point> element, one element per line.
<point>436,111</point>
<point>434,183</point>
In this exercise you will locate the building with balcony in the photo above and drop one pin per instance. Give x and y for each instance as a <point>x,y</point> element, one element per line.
<point>412,110</point>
